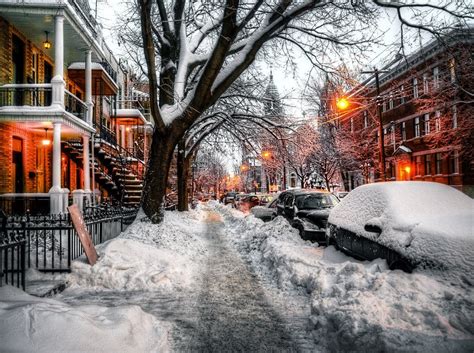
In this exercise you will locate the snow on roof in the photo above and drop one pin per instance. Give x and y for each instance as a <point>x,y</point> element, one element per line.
<point>82,66</point>
<point>420,220</point>
<point>130,113</point>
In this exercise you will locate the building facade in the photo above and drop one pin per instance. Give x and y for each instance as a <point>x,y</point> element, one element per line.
<point>426,113</point>
<point>72,127</point>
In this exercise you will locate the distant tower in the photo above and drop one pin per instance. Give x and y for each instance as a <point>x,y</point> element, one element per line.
<point>271,100</point>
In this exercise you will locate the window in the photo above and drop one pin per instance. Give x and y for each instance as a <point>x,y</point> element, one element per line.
<point>455,162</point>
<point>418,165</point>
<point>415,88</point>
<point>436,78</point>
<point>392,134</point>
<point>403,131</point>
<point>426,83</point>
<point>426,125</point>
<point>366,119</point>
<point>437,121</point>
<point>402,95</point>
<point>428,164</point>
<point>439,159</point>
<point>455,117</point>
<point>452,69</point>
<point>384,106</point>
<point>417,127</point>
<point>352,124</point>
<point>390,102</point>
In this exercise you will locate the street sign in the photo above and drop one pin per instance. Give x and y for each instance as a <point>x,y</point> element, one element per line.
<point>83,234</point>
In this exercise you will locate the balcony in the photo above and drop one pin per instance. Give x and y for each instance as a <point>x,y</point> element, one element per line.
<point>31,100</point>
<point>104,78</point>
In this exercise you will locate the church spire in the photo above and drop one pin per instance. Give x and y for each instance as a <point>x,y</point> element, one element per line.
<point>271,99</point>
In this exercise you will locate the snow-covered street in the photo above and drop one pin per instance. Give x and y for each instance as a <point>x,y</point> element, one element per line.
<point>214,279</point>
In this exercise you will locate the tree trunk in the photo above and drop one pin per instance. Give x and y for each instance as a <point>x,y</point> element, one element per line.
<point>184,164</point>
<point>154,190</point>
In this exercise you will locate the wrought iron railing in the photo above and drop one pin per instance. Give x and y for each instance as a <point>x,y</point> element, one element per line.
<point>74,105</point>
<point>108,68</point>
<point>34,95</point>
<point>50,243</point>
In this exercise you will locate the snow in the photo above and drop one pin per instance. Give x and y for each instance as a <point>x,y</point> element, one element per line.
<point>424,221</point>
<point>350,305</point>
<point>147,257</point>
<point>31,324</point>
<point>358,306</point>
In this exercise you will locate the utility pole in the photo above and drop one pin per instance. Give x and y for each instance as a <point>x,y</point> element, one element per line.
<point>380,139</point>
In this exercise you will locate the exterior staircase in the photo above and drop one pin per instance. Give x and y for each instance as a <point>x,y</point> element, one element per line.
<point>115,169</point>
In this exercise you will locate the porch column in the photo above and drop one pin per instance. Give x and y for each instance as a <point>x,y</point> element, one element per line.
<point>86,166</point>
<point>56,197</point>
<point>88,97</point>
<point>57,82</point>
<point>122,137</point>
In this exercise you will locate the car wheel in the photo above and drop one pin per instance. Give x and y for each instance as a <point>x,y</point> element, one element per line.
<point>400,264</point>
<point>331,241</point>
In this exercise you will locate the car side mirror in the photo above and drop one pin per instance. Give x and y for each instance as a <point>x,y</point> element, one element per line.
<point>372,228</point>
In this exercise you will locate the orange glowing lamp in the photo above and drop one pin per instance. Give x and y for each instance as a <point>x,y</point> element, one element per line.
<point>266,154</point>
<point>342,103</point>
<point>46,141</point>
<point>244,168</point>
<point>407,169</point>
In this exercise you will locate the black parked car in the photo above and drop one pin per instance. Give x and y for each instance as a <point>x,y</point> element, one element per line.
<point>307,211</point>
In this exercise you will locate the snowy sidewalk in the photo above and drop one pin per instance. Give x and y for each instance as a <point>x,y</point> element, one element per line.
<point>214,279</point>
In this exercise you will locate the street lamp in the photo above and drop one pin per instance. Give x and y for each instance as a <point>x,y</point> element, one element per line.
<point>343,103</point>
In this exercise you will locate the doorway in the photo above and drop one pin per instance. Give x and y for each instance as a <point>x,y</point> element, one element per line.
<point>18,60</point>
<point>48,76</point>
<point>17,164</point>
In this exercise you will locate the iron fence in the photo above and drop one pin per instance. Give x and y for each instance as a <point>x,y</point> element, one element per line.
<point>50,243</point>
<point>35,95</point>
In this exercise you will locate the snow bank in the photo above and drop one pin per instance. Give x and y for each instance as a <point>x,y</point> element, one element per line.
<point>127,264</point>
<point>146,257</point>
<point>31,324</point>
<point>426,222</point>
<point>359,306</point>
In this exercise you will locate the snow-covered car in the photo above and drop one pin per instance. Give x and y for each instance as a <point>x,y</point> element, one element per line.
<point>408,223</point>
<point>265,213</point>
<point>307,210</point>
<point>341,194</point>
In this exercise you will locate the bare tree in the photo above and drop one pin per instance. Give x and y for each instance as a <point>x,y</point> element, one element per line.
<point>195,50</point>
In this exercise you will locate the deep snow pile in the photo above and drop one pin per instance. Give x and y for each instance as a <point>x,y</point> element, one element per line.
<point>358,306</point>
<point>146,256</point>
<point>31,324</point>
<point>426,222</point>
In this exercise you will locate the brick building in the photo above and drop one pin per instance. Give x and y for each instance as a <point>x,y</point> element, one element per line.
<point>71,124</point>
<point>427,116</point>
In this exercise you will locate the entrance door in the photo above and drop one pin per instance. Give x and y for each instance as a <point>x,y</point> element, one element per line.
<point>48,76</point>
<point>17,163</point>
<point>18,60</point>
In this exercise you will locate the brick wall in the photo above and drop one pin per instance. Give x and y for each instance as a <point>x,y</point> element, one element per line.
<point>31,144</point>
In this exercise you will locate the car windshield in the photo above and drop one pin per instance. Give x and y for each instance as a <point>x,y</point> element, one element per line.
<point>313,202</point>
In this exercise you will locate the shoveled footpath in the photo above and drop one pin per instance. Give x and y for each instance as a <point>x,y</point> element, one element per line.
<point>229,309</point>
